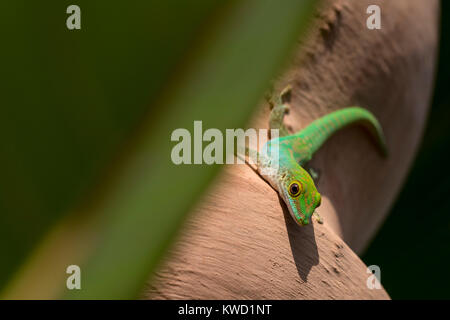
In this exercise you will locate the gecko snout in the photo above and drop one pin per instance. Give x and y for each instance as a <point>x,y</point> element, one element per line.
<point>318,200</point>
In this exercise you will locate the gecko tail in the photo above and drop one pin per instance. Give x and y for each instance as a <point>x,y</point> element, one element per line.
<point>322,129</point>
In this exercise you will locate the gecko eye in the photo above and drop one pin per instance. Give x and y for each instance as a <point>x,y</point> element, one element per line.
<point>295,188</point>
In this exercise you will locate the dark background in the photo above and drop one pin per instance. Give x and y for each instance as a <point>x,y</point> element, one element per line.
<point>412,248</point>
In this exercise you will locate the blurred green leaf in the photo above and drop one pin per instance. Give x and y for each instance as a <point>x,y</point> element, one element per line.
<point>73,101</point>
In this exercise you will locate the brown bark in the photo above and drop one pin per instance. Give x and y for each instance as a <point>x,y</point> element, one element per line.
<point>241,242</point>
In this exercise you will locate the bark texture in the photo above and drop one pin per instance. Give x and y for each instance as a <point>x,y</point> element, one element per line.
<point>241,243</point>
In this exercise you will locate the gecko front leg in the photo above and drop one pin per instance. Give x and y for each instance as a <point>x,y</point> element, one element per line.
<point>279,109</point>
<point>318,217</point>
<point>315,174</point>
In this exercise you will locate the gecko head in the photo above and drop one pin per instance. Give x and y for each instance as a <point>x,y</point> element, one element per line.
<point>300,195</point>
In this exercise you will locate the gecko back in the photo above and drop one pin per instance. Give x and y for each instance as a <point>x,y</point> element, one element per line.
<point>320,130</point>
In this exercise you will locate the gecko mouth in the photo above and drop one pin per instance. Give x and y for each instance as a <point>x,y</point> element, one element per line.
<point>302,222</point>
<point>299,220</point>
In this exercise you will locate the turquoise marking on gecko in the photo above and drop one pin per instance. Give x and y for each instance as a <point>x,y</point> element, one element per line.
<point>288,176</point>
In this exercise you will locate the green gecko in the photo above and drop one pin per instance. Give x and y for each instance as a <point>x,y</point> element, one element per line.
<point>294,184</point>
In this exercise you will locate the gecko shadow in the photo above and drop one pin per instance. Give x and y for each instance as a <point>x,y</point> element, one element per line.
<point>303,244</point>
